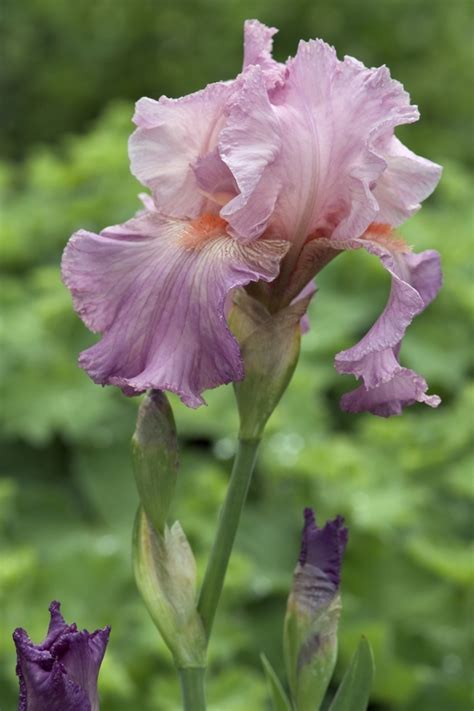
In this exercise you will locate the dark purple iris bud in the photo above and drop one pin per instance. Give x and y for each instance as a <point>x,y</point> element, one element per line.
<point>313,610</point>
<point>60,674</point>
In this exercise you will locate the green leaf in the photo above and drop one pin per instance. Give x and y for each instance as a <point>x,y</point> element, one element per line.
<point>354,691</point>
<point>279,698</point>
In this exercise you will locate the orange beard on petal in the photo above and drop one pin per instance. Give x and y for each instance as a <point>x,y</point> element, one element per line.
<point>202,229</point>
<point>384,234</point>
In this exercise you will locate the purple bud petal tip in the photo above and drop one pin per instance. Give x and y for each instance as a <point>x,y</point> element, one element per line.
<point>323,547</point>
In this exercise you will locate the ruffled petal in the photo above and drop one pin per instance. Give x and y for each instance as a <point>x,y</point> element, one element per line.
<point>406,182</point>
<point>214,178</point>
<point>332,114</point>
<point>387,386</point>
<point>404,388</point>
<point>172,135</point>
<point>315,145</point>
<point>249,145</point>
<point>156,289</point>
<point>258,45</point>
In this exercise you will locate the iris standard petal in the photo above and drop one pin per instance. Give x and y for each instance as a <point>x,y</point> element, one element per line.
<point>318,145</point>
<point>332,113</point>
<point>172,135</point>
<point>406,182</point>
<point>258,44</point>
<point>156,290</point>
<point>249,145</point>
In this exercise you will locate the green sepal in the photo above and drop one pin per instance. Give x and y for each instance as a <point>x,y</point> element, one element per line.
<point>165,572</point>
<point>270,346</point>
<point>155,457</point>
<point>354,691</point>
<point>280,701</point>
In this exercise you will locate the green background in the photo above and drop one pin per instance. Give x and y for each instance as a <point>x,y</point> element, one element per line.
<point>70,74</point>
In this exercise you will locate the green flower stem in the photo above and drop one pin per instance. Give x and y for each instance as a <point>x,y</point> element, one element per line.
<point>226,530</point>
<point>192,688</point>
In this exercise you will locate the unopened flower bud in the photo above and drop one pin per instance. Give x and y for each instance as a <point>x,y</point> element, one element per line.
<point>165,571</point>
<point>310,637</point>
<point>155,456</point>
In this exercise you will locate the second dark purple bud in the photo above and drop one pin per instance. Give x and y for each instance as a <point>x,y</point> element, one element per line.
<point>313,610</point>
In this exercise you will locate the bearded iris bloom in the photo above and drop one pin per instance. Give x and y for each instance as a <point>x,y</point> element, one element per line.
<point>61,672</point>
<point>257,183</point>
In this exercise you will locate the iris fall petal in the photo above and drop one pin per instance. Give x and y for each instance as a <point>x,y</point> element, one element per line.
<point>156,290</point>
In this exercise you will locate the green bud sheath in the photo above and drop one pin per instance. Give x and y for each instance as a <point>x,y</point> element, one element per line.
<point>165,571</point>
<point>270,346</point>
<point>155,457</point>
<point>310,646</point>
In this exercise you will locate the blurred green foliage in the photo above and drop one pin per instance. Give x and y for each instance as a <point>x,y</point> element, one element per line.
<point>63,61</point>
<point>67,497</point>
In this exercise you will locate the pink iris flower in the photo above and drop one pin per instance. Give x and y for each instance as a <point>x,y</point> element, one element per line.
<point>263,179</point>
